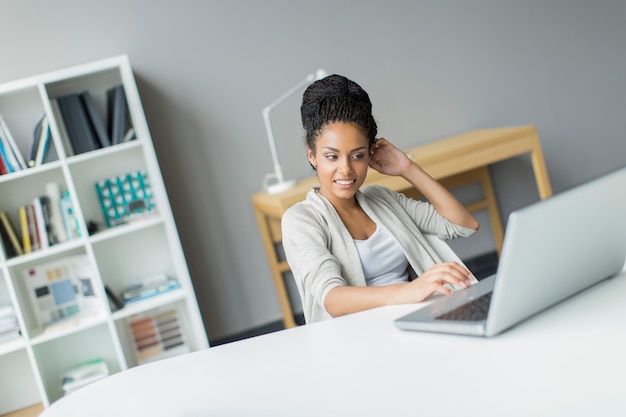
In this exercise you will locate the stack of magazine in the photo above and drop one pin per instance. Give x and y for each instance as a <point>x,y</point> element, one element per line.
<point>9,327</point>
<point>84,374</point>
<point>149,287</point>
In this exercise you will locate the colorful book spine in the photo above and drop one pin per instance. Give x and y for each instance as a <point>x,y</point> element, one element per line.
<point>32,228</point>
<point>3,168</point>
<point>40,142</point>
<point>11,148</point>
<point>24,229</point>
<point>16,247</point>
<point>5,163</point>
<point>53,191</point>
<point>72,228</point>
<point>40,224</point>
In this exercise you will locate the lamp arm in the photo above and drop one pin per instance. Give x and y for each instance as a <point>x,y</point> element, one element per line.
<point>290,93</point>
<point>281,184</point>
<point>278,170</point>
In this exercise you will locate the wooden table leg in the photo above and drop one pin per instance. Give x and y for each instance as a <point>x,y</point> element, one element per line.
<point>277,276</point>
<point>539,168</point>
<point>492,208</point>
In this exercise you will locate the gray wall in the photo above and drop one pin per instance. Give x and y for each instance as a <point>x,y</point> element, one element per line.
<point>206,69</point>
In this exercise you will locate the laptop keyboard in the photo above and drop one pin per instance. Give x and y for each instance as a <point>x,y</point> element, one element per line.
<point>474,310</point>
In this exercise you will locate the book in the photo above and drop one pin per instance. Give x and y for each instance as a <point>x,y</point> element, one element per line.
<point>33,233</point>
<point>9,249</point>
<point>81,136</point>
<point>53,192</point>
<point>44,143</point>
<point>119,122</point>
<point>47,218</point>
<point>14,154</point>
<point>72,228</point>
<point>62,129</point>
<point>24,229</point>
<point>95,120</point>
<point>45,232</point>
<point>34,143</point>
<point>4,169</point>
<point>61,291</point>
<point>6,166</point>
<point>40,226</point>
<point>9,161</point>
<point>8,228</point>
<point>40,142</point>
<point>10,240</point>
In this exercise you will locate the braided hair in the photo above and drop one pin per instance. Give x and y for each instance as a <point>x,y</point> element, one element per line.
<point>336,99</point>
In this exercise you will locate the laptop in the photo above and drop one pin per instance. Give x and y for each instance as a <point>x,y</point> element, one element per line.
<point>552,249</point>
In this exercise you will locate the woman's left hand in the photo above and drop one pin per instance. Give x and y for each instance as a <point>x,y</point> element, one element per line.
<point>387,159</point>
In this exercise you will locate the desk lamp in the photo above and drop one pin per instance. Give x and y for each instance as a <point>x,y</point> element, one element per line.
<point>280,184</point>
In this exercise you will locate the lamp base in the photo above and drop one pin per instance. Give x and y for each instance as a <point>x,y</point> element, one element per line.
<point>279,187</point>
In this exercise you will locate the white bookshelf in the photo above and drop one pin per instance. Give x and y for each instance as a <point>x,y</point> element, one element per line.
<point>33,365</point>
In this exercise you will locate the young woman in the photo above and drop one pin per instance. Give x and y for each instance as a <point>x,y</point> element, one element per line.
<point>353,248</point>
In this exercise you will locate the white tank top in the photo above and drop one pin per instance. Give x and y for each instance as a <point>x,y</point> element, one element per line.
<point>382,259</point>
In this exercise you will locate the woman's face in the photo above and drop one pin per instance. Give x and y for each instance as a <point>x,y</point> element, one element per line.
<point>342,155</point>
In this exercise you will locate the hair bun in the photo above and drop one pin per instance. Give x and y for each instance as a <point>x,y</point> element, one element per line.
<point>336,98</point>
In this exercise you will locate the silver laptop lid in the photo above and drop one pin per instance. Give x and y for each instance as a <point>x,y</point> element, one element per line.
<point>571,240</point>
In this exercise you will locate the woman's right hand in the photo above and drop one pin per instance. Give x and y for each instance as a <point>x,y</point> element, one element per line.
<point>350,299</point>
<point>432,281</point>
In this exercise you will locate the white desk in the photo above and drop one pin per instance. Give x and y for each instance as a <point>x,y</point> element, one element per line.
<point>568,361</point>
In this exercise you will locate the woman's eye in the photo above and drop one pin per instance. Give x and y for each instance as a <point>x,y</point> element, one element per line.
<point>358,156</point>
<point>331,156</point>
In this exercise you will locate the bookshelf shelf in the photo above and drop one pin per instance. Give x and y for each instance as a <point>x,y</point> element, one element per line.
<point>12,346</point>
<point>150,303</point>
<point>144,223</point>
<point>67,318</point>
<point>65,329</point>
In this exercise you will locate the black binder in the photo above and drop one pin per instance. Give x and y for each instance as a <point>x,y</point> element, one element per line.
<point>95,120</point>
<point>82,136</point>
<point>119,121</point>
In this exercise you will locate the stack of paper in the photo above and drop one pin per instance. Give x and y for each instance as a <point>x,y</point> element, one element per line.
<point>84,374</point>
<point>9,327</point>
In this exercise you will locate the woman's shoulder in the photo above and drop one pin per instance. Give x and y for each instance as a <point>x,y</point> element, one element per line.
<point>307,217</point>
<point>306,209</point>
<point>379,192</point>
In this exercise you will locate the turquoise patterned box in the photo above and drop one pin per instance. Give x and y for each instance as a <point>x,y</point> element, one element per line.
<point>125,197</point>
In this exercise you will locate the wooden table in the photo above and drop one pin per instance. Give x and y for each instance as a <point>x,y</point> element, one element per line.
<point>454,161</point>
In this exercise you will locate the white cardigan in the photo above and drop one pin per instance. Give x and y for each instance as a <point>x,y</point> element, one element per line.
<point>322,253</point>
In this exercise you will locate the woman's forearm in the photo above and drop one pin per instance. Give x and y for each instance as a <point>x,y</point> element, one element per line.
<point>442,199</point>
